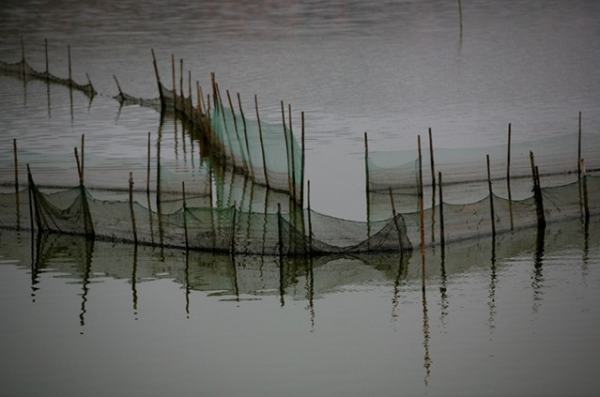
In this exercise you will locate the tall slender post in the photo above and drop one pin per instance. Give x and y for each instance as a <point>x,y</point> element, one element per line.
<point>233,230</point>
<point>181,93</point>
<point>491,194</point>
<point>46,58</point>
<point>421,198</point>
<point>309,218</point>
<point>579,145</point>
<point>441,199</point>
<point>287,149</point>
<point>280,243</point>
<point>433,186</point>
<point>185,229</point>
<point>148,167</point>
<point>200,96</point>
<point>303,160</point>
<point>262,145</point>
<point>508,177</point>
<point>16,165</point>
<point>367,192</point>
<point>31,200</point>
<point>585,192</point>
<point>174,78</point>
<point>190,91</point>
<point>78,166</point>
<point>133,226</point>
<point>537,193</point>
<point>292,154</point>
<point>158,83</point>
<point>69,64</point>
<point>460,16</point>
<point>394,215</point>
<point>251,168</point>
<point>237,134</point>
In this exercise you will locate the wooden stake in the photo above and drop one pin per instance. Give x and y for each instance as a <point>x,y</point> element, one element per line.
<point>279,232</point>
<point>16,165</point>
<point>442,234</point>
<point>118,86</point>
<point>262,145</point>
<point>579,145</point>
<point>292,157</point>
<point>133,226</point>
<point>78,166</point>
<point>181,94</point>
<point>148,167</point>
<point>190,90</point>
<point>433,186</point>
<point>158,83</point>
<point>31,200</point>
<point>235,128</point>
<point>420,188</point>
<point>200,96</point>
<point>233,229</point>
<point>367,192</point>
<point>287,148</point>
<point>508,177</point>
<point>491,193</point>
<point>585,192</point>
<point>303,161</point>
<point>537,193</point>
<point>251,168</point>
<point>185,229</point>
<point>309,218</point>
<point>173,75</point>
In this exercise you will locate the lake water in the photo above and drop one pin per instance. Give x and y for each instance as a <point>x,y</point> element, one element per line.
<point>85,320</point>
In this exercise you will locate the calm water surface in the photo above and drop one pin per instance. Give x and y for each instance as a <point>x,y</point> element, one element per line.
<point>102,319</point>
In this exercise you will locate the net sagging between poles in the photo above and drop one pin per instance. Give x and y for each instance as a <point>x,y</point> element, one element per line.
<point>77,211</point>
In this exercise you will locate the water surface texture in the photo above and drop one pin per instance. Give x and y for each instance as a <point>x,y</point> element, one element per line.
<point>514,316</point>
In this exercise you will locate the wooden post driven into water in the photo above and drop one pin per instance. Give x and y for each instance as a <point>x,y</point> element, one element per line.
<point>174,80</point>
<point>279,237</point>
<point>262,145</point>
<point>508,177</point>
<point>433,186</point>
<point>309,218</point>
<point>31,200</point>
<point>158,82</point>
<point>367,192</point>
<point>17,200</point>
<point>398,230</point>
<point>148,167</point>
<point>82,157</point>
<point>233,230</point>
<point>579,145</point>
<point>491,194</point>
<point>537,193</point>
<point>292,155</point>
<point>421,215</point>
<point>181,93</point>
<point>185,229</point>
<point>287,149</point>
<point>250,166</point>
<point>131,210</point>
<point>69,65</point>
<point>78,166</point>
<point>441,199</point>
<point>23,60</point>
<point>302,165</point>
<point>586,207</point>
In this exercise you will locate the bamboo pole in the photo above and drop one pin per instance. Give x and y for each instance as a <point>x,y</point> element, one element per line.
<point>537,193</point>
<point>200,96</point>
<point>421,202</point>
<point>222,110</point>
<point>251,167</point>
<point>190,91</point>
<point>287,148</point>
<point>508,177</point>
<point>433,186</point>
<point>367,192</point>
<point>309,218</point>
<point>262,145</point>
<point>292,157</point>
<point>235,128</point>
<point>31,201</point>
<point>280,243</point>
<point>442,232</point>
<point>398,230</point>
<point>148,167</point>
<point>69,65</point>
<point>78,166</point>
<point>181,93</point>
<point>185,229</point>
<point>585,192</point>
<point>579,145</point>
<point>158,83</point>
<point>174,78</point>
<point>233,230</point>
<point>118,86</point>
<point>82,157</point>
<point>491,194</point>
<point>303,160</point>
<point>133,225</point>
<point>16,165</point>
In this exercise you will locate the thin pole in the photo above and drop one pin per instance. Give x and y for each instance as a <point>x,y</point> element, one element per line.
<point>69,63</point>
<point>190,90</point>
<point>118,86</point>
<point>133,226</point>
<point>78,166</point>
<point>303,160</point>
<point>251,169</point>
<point>23,60</point>
<point>185,229</point>
<point>148,167</point>
<point>233,229</point>
<point>585,192</point>
<point>537,193</point>
<point>16,164</point>
<point>173,75</point>
<point>508,177</point>
<point>279,231</point>
<point>46,58</point>
<point>200,96</point>
<point>579,145</point>
<point>30,192</point>
<point>262,145</point>
<point>367,191</point>
<point>309,218</point>
<point>181,94</point>
<point>491,193</point>
<point>442,233</point>
<point>460,16</point>
<point>433,186</point>
<point>293,160</point>
<point>226,130</point>
<point>287,148</point>
<point>420,188</point>
<point>235,128</point>
<point>160,91</point>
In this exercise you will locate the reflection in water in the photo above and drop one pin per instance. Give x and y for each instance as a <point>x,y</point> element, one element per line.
<point>426,337</point>
<point>492,290</point>
<point>87,259</point>
<point>134,293</point>
<point>538,276</point>
<point>443,288</point>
